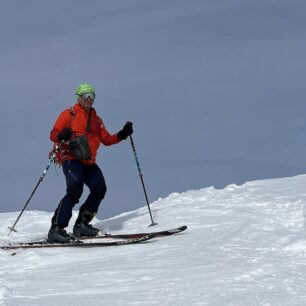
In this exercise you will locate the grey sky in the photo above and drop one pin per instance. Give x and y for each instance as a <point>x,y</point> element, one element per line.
<point>215,90</point>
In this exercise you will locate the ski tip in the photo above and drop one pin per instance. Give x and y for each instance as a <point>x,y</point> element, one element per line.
<point>178,229</point>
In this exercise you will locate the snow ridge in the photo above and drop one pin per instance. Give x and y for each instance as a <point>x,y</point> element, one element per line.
<point>245,245</point>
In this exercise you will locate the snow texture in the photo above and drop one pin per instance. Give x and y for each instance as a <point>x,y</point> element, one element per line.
<point>245,245</point>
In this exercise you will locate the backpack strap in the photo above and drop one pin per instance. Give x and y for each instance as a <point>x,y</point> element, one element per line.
<point>72,115</point>
<point>88,122</point>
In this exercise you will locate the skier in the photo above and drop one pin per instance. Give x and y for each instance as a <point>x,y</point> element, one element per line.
<point>79,131</point>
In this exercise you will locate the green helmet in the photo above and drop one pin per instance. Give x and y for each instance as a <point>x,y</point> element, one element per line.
<point>84,88</point>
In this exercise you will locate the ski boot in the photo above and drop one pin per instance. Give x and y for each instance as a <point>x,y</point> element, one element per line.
<point>82,226</point>
<point>58,234</point>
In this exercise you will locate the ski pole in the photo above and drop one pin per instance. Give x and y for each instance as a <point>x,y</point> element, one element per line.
<point>141,178</point>
<point>51,160</point>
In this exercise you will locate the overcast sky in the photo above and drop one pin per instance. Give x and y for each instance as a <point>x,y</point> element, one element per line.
<point>216,91</point>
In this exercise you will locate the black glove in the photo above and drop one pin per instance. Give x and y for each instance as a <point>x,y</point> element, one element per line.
<point>65,134</point>
<point>126,131</point>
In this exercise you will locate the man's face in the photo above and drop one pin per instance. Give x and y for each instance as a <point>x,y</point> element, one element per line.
<point>87,100</point>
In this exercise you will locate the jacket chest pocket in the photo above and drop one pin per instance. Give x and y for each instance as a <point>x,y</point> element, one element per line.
<point>78,125</point>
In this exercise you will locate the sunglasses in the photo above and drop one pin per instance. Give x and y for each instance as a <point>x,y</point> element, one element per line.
<point>88,95</point>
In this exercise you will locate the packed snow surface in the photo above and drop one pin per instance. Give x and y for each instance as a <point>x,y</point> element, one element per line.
<point>245,245</point>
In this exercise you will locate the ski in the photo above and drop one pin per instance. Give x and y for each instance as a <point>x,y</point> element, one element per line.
<point>139,235</point>
<point>78,244</point>
<point>127,239</point>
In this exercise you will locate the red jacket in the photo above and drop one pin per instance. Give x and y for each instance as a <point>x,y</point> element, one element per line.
<point>76,118</point>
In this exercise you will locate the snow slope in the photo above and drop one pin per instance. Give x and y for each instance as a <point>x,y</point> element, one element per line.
<point>245,245</point>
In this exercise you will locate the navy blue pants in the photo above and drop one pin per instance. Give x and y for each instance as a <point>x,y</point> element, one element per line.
<point>77,174</point>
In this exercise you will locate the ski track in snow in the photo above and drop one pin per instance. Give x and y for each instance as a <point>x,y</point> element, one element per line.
<point>245,245</point>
